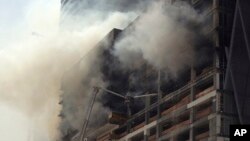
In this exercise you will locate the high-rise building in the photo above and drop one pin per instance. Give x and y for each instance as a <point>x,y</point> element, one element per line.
<point>211,97</point>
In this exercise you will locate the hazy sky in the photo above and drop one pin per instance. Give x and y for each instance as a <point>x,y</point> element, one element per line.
<point>12,11</point>
<point>19,17</point>
<point>11,14</point>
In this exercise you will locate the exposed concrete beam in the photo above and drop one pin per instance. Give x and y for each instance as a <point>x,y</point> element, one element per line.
<point>202,99</point>
<point>186,128</point>
<point>141,130</point>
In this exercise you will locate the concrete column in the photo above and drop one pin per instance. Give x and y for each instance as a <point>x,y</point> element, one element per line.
<point>147,115</point>
<point>192,98</point>
<point>147,104</point>
<point>213,123</point>
<point>218,125</point>
<point>216,43</point>
<point>216,14</point>
<point>128,127</point>
<point>212,127</point>
<point>146,134</point>
<point>158,126</point>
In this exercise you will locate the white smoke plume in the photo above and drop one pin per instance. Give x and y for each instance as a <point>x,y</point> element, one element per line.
<point>33,64</point>
<point>161,36</point>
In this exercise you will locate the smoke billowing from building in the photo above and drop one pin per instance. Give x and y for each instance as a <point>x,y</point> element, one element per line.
<point>162,37</point>
<point>40,71</point>
<point>33,66</point>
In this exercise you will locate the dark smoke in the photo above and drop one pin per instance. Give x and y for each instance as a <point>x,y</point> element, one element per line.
<point>165,37</point>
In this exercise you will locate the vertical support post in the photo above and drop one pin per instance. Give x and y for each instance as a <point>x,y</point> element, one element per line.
<point>212,127</point>
<point>146,135</point>
<point>147,115</point>
<point>217,80</point>
<point>192,98</point>
<point>129,117</point>
<point>216,43</point>
<point>158,127</point>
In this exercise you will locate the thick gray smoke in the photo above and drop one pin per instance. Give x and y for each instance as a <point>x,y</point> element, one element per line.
<point>161,36</point>
<point>77,88</point>
<point>79,14</point>
<point>78,81</point>
<point>40,70</point>
<point>33,65</point>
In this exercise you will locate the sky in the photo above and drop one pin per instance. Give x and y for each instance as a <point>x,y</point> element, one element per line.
<point>12,11</point>
<point>18,17</point>
<point>24,16</point>
<point>11,14</point>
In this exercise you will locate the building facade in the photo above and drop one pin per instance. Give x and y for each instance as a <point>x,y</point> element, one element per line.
<point>214,97</point>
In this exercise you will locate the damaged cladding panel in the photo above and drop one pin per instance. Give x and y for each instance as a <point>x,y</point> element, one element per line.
<point>199,106</point>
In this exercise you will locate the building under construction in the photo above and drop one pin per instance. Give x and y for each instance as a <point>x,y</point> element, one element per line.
<point>203,102</point>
